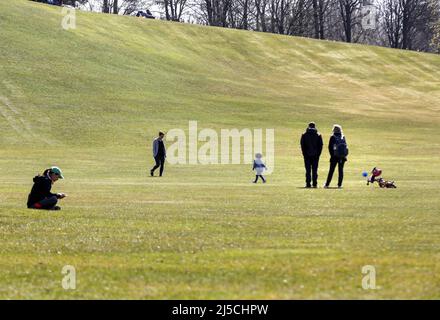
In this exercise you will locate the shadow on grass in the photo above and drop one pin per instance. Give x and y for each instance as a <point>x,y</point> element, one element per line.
<point>318,188</point>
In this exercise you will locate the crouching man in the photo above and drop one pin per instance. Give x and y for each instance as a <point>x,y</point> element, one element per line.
<point>40,196</point>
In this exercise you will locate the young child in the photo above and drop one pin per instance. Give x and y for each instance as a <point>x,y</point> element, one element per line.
<point>376,177</point>
<point>259,167</point>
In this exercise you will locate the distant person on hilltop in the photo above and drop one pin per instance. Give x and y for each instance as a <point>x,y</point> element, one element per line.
<point>54,2</point>
<point>40,196</point>
<point>311,147</point>
<point>159,154</point>
<point>338,150</point>
<point>147,14</point>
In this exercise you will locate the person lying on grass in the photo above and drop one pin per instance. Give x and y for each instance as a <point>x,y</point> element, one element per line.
<point>40,196</point>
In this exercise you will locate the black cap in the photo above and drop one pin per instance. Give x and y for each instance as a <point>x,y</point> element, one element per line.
<point>312,125</point>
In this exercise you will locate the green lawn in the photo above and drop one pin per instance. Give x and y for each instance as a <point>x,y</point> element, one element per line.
<point>90,100</point>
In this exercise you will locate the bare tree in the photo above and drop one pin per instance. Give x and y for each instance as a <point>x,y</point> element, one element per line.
<point>349,14</point>
<point>434,42</point>
<point>299,18</point>
<point>241,15</point>
<point>404,19</point>
<point>105,6</point>
<point>174,9</point>
<point>244,22</point>
<point>260,8</point>
<point>323,6</point>
<point>215,12</point>
<point>316,18</point>
<point>279,12</point>
<point>319,10</point>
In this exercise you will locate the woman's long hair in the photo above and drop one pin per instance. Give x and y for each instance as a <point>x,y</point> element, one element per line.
<point>47,173</point>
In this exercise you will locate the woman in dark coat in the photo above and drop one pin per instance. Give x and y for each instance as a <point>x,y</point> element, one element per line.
<point>338,150</point>
<point>41,196</point>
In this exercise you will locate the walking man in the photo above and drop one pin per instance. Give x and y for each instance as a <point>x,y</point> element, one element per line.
<point>159,154</point>
<point>311,146</point>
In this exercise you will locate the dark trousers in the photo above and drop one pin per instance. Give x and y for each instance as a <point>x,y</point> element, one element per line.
<point>311,164</point>
<point>46,203</point>
<point>333,164</point>
<point>160,162</point>
<point>259,176</point>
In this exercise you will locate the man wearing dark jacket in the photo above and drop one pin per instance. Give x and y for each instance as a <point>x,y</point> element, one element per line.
<point>40,196</point>
<point>311,146</point>
<point>159,154</point>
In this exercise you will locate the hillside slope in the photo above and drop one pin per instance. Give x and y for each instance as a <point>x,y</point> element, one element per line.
<point>128,69</point>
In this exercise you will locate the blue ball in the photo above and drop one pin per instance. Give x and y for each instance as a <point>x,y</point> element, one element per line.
<point>365,174</point>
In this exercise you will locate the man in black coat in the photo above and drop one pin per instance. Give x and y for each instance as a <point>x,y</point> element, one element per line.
<point>159,154</point>
<point>311,146</point>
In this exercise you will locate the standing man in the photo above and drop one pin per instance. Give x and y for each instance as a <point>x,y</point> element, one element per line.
<point>311,146</point>
<point>159,154</point>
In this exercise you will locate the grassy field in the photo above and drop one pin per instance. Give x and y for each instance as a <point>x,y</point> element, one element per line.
<point>91,100</point>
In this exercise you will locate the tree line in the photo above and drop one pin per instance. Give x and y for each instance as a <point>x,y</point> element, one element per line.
<point>401,24</point>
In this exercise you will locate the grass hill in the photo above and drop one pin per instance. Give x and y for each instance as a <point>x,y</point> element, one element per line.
<point>91,99</point>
